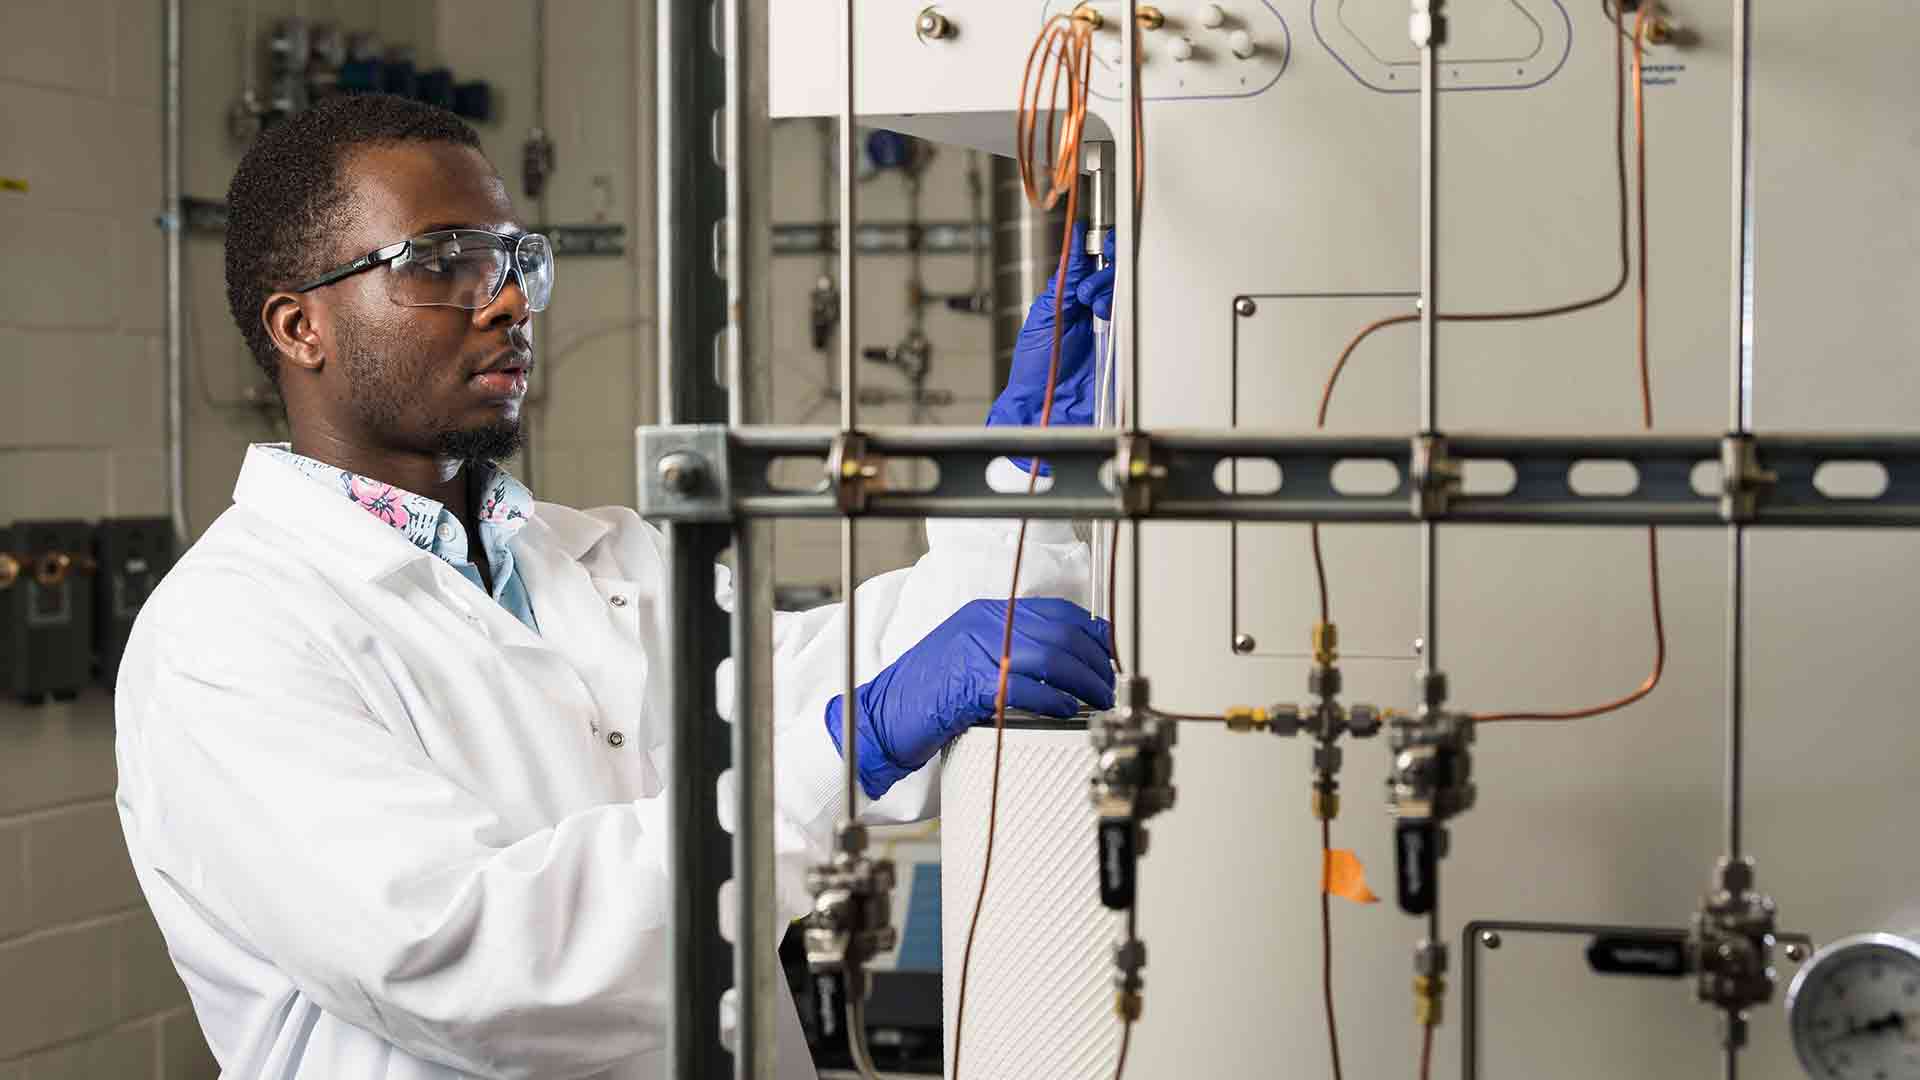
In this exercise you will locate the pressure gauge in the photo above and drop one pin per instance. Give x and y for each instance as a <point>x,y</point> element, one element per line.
<point>1855,1010</point>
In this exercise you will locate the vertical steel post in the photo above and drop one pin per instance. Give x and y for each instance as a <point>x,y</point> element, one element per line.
<point>756,942</point>
<point>693,192</point>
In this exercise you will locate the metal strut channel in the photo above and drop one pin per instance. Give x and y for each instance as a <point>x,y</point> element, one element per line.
<point>1185,466</point>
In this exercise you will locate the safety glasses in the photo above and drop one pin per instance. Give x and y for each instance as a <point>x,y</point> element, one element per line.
<point>463,268</point>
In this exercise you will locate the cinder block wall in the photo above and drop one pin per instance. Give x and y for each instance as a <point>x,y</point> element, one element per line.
<point>86,987</point>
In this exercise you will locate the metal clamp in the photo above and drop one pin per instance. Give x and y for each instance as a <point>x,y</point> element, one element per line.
<point>1435,476</point>
<point>684,473</point>
<point>1731,947</point>
<point>1743,483</point>
<point>1136,476</point>
<point>851,473</point>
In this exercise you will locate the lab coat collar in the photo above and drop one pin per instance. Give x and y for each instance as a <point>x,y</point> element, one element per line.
<point>353,539</point>
<point>570,531</point>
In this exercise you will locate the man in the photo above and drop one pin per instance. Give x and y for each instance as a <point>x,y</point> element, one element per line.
<point>391,735</point>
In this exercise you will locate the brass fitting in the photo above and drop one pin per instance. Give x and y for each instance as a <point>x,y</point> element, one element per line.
<point>1126,1005</point>
<point>1149,17</point>
<point>1090,15</point>
<point>1246,718</point>
<point>1429,997</point>
<point>1660,30</point>
<point>1326,805</point>
<point>9,570</point>
<point>1326,643</point>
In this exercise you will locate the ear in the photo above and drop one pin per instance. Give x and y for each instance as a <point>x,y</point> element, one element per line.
<point>291,326</point>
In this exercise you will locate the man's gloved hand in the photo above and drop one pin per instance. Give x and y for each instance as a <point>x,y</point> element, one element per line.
<point>1089,292</point>
<point>947,683</point>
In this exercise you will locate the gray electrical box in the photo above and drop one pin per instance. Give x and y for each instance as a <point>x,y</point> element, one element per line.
<point>132,555</point>
<point>46,636</point>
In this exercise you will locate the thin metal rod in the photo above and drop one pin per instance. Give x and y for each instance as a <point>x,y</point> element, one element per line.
<point>849,407</point>
<point>1741,384</point>
<point>1429,225</point>
<point>1429,42</point>
<point>849,331</point>
<point>1730,1063</point>
<point>1736,685</point>
<point>1127,241</point>
<point>174,222</point>
<point>1127,287</point>
<point>1740,394</point>
<point>1429,596</point>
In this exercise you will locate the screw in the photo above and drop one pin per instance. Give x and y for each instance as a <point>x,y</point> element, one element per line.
<point>1244,306</point>
<point>1243,643</point>
<point>682,473</point>
<point>1796,952</point>
<point>1490,938</point>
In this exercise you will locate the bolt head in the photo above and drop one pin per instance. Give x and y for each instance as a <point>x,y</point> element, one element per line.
<point>1490,938</point>
<point>681,473</point>
<point>1796,952</point>
<point>1243,643</point>
<point>1244,306</point>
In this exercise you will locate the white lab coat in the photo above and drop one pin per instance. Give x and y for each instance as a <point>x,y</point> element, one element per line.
<point>389,832</point>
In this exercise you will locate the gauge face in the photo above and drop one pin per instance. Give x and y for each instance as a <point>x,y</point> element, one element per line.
<point>1855,1010</point>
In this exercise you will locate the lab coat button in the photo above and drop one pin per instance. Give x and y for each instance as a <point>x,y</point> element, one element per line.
<point>617,600</point>
<point>616,739</point>
<point>445,532</point>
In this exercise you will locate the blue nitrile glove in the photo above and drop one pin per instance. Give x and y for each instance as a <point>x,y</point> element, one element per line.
<point>946,683</point>
<point>1089,293</point>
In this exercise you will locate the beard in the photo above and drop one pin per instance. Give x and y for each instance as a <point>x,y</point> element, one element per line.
<point>390,401</point>
<point>486,444</point>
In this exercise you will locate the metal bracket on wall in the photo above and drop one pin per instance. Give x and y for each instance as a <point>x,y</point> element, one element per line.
<point>685,473</point>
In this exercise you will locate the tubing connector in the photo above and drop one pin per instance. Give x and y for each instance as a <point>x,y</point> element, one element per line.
<point>1429,982</point>
<point>851,923</point>
<point>1326,644</point>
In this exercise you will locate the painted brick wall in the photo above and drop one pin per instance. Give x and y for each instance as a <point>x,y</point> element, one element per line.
<point>86,987</point>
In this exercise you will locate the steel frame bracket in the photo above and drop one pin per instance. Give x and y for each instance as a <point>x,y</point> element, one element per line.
<point>1435,476</point>
<point>685,473</point>
<point>1743,482</point>
<point>851,472</point>
<point>1137,478</point>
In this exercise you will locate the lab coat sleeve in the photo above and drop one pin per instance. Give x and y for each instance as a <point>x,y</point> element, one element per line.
<point>392,897</point>
<point>967,559</point>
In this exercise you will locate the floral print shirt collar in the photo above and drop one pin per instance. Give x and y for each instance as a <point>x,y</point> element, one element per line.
<point>505,506</point>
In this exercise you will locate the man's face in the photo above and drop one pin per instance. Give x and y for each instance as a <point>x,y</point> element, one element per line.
<point>445,381</point>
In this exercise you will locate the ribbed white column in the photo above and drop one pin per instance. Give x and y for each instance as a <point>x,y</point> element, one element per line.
<point>1040,997</point>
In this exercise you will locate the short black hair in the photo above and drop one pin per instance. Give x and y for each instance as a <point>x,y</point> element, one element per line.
<point>286,196</point>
